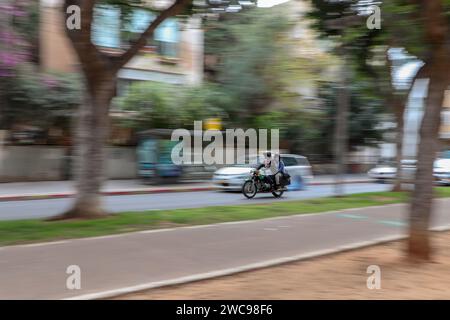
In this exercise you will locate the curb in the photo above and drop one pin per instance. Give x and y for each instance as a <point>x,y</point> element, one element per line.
<point>106,193</point>
<point>245,268</point>
<point>345,182</point>
<point>137,192</point>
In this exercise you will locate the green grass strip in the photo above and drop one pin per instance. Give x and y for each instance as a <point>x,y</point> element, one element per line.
<point>28,231</point>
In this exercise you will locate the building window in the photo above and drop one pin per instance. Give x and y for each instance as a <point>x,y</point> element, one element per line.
<point>446,118</point>
<point>167,38</point>
<point>138,22</point>
<point>109,33</point>
<point>167,49</point>
<point>106,27</point>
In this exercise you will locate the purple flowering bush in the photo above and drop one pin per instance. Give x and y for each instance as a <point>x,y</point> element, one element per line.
<point>13,46</point>
<point>27,95</point>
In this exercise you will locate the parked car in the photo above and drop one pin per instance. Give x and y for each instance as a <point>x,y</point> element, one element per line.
<point>383,173</point>
<point>233,177</point>
<point>441,170</point>
<point>387,171</point>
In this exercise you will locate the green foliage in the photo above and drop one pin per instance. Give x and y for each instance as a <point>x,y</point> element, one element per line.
<point>39,99</point>
<point>365,108</point>
<point>400,26</point>
<point>365,52</point>
<point>258,67</point>
<point>203,102</point>
<point>313,136</point>
<point>159,105</point>
<point>246,45</point>
<point>152,105</point>
<point>254,83</point>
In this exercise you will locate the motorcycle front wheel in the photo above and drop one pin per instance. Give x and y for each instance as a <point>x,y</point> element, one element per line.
<point>249,189</point>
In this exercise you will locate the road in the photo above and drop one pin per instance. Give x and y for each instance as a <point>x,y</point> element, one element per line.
<point>34,209</point>
<point>114,264</point>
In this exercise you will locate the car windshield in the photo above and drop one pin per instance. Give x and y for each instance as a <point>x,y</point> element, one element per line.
<point>253,162</point>
<point>386,163</point>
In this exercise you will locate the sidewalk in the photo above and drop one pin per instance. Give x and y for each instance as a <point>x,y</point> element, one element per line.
<point>16,191</point>
<point>124,263</point>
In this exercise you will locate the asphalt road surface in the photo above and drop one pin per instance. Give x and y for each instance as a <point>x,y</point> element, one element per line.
<point>114,263</point>
<point>34,209</point>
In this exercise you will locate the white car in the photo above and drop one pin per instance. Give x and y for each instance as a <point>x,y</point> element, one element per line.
<point>388,171</point>
<point>441,170</point>
<point>383,173</point>
<point>232,178</point>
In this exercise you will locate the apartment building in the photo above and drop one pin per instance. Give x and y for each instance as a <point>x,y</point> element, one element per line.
<point>173,55</point>
<point>445,128</point>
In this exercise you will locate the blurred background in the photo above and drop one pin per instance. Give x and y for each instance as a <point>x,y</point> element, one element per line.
<point>260,67</point>
<point>91,91</point>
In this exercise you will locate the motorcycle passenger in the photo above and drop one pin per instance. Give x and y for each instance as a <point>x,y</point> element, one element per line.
<point>280,172</point>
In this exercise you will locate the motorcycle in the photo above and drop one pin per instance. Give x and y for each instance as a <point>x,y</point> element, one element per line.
<point>258,182</point>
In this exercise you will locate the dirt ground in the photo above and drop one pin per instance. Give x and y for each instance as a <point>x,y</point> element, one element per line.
<point>339,276</point>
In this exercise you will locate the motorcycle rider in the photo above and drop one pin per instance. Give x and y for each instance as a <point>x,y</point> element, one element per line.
<point>271,164</point>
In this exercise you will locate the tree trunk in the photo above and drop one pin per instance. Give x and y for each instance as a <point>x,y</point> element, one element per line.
<point>399,113</point>
<point>436,30</point>
<point>341,134</point>
<point>422,197</point>
<point>100,71</point>
<point>92,130</point>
